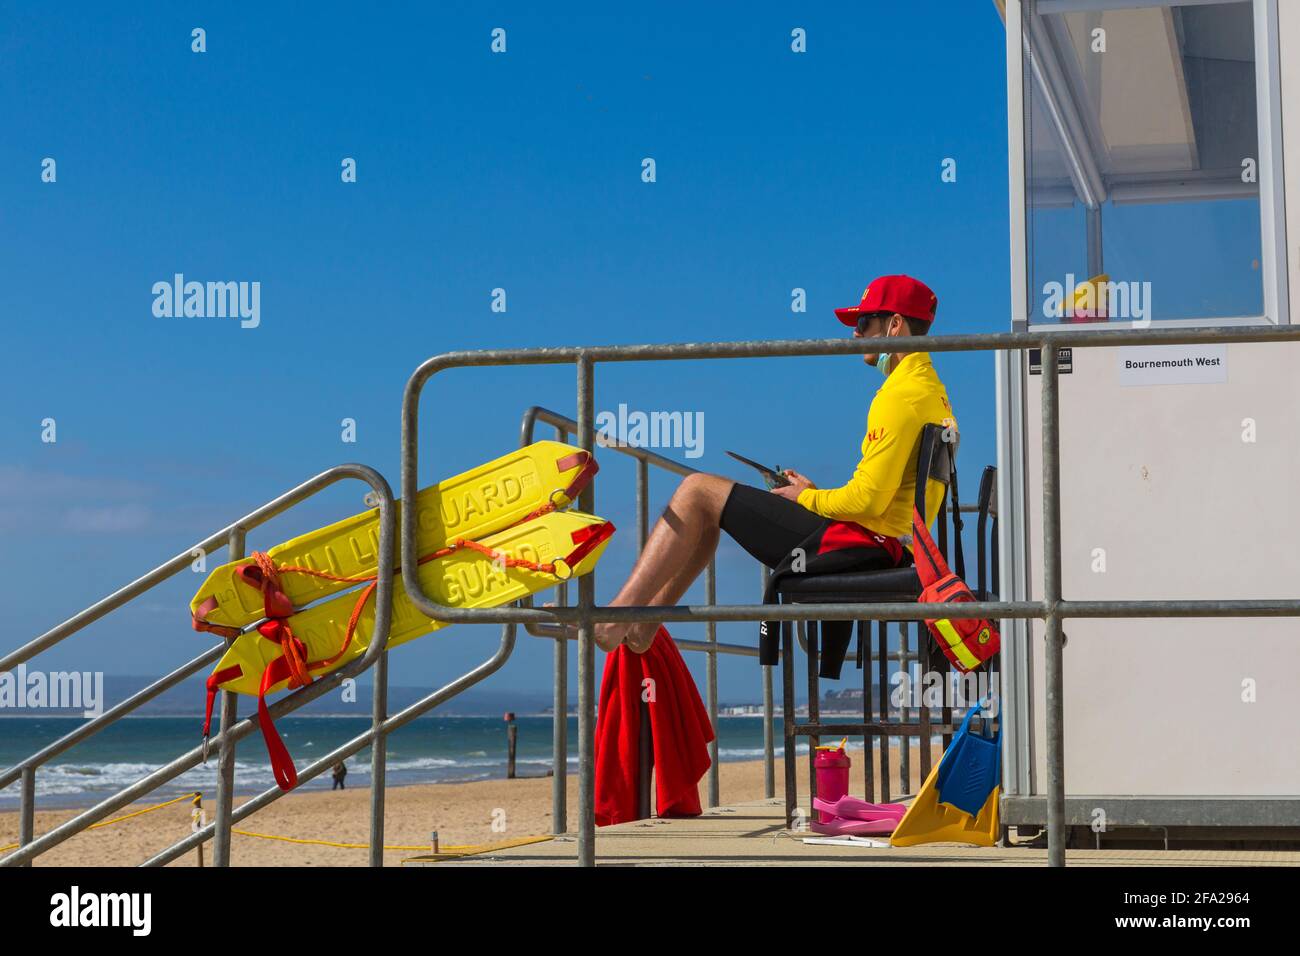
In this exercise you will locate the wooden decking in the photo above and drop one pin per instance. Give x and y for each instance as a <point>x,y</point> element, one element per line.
<point>754,834</point>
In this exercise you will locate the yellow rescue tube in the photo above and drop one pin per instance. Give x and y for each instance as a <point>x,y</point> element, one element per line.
<point>471,505</point>
<point>463,579</point>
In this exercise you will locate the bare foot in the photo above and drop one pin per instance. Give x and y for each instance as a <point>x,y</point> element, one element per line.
<point>607,636</point>
<point>641,637</point>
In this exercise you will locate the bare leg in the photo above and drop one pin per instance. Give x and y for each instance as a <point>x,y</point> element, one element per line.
<point>678,549</point>
<point>643,635</point>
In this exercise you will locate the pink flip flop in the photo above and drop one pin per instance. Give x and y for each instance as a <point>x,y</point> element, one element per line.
<point>855,808</point>
<point>840,826</point>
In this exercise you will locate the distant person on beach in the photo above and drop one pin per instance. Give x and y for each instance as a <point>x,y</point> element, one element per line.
<point>340,771</point>
<point>878,497</point>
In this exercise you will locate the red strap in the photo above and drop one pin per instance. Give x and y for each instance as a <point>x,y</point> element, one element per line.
<point>286,774</point>
<point>293,666</point>
<point>576,486</point>
<point>930,565</point>
<point>587,539</point>
<point>215,679</point>
<point>583,477</point>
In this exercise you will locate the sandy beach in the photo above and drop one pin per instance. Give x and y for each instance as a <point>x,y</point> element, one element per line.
<point>462,813</point>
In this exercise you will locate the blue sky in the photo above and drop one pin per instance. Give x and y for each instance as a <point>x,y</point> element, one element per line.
<point>475,170</point>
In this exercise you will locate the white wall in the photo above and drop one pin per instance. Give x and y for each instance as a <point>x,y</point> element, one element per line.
<point>1160,478</point>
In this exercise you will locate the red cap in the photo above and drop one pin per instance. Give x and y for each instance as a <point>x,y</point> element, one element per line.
<point>901,294</point>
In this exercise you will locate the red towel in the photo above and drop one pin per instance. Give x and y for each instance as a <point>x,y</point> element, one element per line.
<point>679,723</point>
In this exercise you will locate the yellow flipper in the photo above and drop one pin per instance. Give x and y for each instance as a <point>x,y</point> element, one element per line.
<point>464,578</point>
<point>470,505</point>
<point>929,821</point>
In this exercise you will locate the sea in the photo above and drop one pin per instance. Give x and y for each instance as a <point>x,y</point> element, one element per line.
<point>431,749</point>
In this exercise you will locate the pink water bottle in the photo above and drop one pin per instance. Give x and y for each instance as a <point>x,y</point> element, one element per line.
<point>831,765</point>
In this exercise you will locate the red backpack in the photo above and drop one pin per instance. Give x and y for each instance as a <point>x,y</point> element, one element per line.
<point>967,642</point>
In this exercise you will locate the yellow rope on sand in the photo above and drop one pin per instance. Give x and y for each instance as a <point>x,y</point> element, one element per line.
<point>458,850</point>
<point>128,816</point>
<point>345,846</point>
<point>106,823</point>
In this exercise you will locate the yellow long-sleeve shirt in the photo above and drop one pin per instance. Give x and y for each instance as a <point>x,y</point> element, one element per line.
<point>881,492</point>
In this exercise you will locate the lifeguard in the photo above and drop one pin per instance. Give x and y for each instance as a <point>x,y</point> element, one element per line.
<point>869,512</point>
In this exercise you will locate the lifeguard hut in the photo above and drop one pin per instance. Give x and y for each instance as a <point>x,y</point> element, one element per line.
<point>1146,149</point>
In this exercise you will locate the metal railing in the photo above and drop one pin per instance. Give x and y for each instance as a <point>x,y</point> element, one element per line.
<point>232,538</point>
<point>219,830</point>
<point>1052,609</point>
<point>564,427</point>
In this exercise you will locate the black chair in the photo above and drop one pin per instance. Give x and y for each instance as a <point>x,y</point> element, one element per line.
<point>935,459</point>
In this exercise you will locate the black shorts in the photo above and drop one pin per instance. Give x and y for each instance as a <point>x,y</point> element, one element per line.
<point>768,526</point>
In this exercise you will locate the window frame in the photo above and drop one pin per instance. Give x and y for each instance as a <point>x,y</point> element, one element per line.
<point>1272,211</point>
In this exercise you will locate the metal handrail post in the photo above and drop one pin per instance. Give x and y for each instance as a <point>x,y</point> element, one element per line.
<point>645,748</point>
<point>235,549</point>
<point>711,679</point>
<point>586,639</point>
<point>642,504</point>
<point>1053,670</point>
<point>378,759</point>
<point>27,811</point>
<point>560,651</point>
<point>560,700</point>
<point>644,760</point>
<point>769,743</point>
<point>560,731</point>
<point>905,658</point>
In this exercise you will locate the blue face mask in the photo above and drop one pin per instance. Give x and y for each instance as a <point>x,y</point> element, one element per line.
<point>884,362</point>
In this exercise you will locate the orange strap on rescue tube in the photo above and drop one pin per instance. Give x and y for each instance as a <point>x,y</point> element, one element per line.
<point>199,624</point>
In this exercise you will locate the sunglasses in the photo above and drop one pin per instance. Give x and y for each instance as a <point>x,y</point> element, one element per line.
<point>864,320</point>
